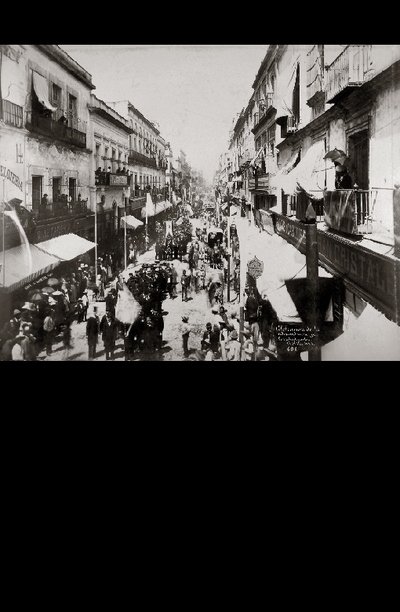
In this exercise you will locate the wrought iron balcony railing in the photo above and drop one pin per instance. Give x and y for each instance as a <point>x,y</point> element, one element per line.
<point>134,157</point>
<point>12,114</point>
<point>60,208</point>
<point>60,129</point>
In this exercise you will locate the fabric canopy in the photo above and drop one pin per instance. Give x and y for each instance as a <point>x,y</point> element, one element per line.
<point>131,221</point>
<point>41,88</point>
<point>308,175</point>
<point>284,94</point>
<point>67,246</point>
<point>153,209</point>
<point>22,266</point>
<point>278,179</point>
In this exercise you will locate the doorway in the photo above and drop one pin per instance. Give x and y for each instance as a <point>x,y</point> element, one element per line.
<point>359,158</point>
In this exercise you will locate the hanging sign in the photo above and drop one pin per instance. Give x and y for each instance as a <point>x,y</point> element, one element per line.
<point>255,267</point>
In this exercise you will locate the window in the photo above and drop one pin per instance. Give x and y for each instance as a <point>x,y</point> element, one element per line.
<point>97,154</point>
<point>296,96</point>
<point>56,95</point>
<point>37,182</point>
<point>72,110</point>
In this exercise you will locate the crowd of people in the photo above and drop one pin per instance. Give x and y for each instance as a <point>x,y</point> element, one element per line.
<point>47,314</point>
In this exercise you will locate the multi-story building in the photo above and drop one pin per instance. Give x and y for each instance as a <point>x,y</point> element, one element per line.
<point>45,157</point>
<point>314,104</point>
<point>146,157</point>
<point>109,133</point>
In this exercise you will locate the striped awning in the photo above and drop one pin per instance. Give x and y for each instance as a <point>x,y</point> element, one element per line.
<point>23,264</point>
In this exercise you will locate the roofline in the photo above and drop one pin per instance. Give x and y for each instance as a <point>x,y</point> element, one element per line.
<point>61,57</point>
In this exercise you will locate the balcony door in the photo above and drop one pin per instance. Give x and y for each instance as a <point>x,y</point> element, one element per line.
<point>359,158</point>
<point>72,188</point>
<point>37,182</point>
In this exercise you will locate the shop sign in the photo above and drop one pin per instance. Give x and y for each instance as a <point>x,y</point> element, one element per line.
<point>291,231</point>
<point>372,272</point>
<point>9,175</point>
<point>45,232</point>
<point>84,223</point>
<point>118,179</point>
<point>255,267</point>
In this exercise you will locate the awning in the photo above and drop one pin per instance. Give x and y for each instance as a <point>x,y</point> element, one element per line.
<point>42,90</point>
<point>308,175</point>
<point>23,266</point>
<point>153,209</point>
<point>283,98</point>
<point>131,221</point>
<point>278,180</point>
<point>66,247</point>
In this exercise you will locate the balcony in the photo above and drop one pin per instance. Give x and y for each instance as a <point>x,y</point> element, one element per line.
<point>261,182</point>
<point>347,72</point>
<point>315,88</point>
<point>265,107</point>
<point>57,127</point>
<point>12,114</point>
<point>134,157</point>
<point>60,209</point>
<point>350,210</point>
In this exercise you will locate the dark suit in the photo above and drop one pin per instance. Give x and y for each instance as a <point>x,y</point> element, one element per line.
<point>109,330</point>
<point>92,333</point>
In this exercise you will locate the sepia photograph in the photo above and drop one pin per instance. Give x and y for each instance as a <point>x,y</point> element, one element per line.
<point>199,202</point>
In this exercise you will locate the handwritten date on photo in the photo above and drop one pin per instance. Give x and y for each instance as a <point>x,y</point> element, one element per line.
<point>295,337</point>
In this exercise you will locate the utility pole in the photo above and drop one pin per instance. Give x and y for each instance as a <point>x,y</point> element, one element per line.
<point>314,353</point>
<point>125,257</point>
<point>228,291</point>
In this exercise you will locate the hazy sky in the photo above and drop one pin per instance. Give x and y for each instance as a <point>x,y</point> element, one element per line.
<point>193,91</point>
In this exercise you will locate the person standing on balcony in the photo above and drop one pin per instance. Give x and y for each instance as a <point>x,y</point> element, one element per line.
<point>342,178</point>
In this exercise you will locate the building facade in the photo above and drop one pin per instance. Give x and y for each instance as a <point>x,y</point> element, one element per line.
<point>45,96</point>
<point>313,105</point>
<point>109,133</point>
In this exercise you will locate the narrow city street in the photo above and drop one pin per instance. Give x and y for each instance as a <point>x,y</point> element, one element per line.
<point>196,309</point>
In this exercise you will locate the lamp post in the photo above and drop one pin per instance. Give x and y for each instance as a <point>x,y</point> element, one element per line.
<point>228,291</point>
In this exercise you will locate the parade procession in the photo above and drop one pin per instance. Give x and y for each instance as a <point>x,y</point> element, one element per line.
<point>179,223</point>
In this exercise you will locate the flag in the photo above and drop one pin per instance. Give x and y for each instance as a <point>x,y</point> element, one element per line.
<point>149,206</point>
<point>127,308</point>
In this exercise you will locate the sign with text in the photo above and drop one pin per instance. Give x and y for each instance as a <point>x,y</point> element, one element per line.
<point>118,179</point>
<point>295,337</point>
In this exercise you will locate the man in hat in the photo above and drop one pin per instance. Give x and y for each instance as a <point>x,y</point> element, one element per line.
<point>48,331</point>
<point>109,331</point>
<point>27,343</point>
<point>92,332</point>
<point>186,329</point>
<point>233,347</point>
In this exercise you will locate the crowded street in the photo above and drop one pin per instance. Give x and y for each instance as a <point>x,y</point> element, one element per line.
<point>172,302</point>
<point>247,214</point>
